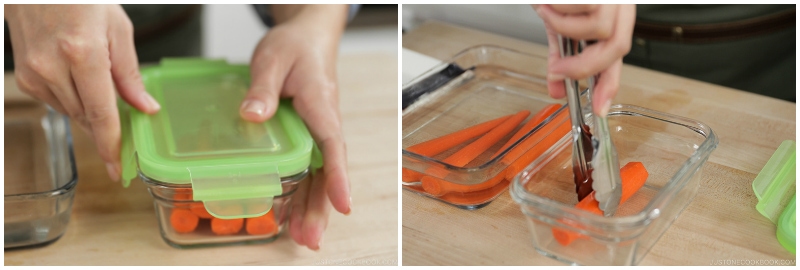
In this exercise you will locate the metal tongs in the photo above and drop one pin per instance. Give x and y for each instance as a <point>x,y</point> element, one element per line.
<point>594,158</point>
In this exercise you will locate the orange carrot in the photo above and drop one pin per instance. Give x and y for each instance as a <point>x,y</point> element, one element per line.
<point>633,176</point>
<point>475,197</point>
<point>262,225</point>
<point>181,197</point>
<point>446,186</point>
<point>183,221</point>
<point>200,210</point>
<point>464,156</point>
<point>469,198</point>
<point>441,144</point>
<point>435,146</point>
<point>535,120</point>
<point>411,176</point>
<point>226,226</point>
<point>535,145</point>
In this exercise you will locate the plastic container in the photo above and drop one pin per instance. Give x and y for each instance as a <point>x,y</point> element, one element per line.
<point>673,149</point>
<point>775,189</point>
<point>478,85</point>
<point>214,176</point>
<point>40,175</point>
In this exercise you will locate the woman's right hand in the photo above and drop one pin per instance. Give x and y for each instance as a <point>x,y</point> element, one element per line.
<point>610,25</point>
<point>72,57</point>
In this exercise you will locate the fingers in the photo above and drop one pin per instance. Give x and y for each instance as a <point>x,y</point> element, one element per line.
<point>597,24</point>
<point>268,72</point>
<point>555,81</point>
<point>592,60</point>
<point>601,55</point>
<point>125,69</point>
<point>317,211</point>
<point>574,9</point>
<point>322,118</point>
<point>606,88</point>
<point>299,202</point>
<point>91,72</point>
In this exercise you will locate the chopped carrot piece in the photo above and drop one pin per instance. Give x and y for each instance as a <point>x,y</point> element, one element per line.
<point>200,210</point>
<point>633,176</point>
<point>183,221</point>
<point>226,226</point>
<point>262,225</point>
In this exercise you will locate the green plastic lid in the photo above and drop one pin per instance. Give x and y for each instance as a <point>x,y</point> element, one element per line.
<point>775,189</point>
<point>234,166</point>
<point>787,224</point>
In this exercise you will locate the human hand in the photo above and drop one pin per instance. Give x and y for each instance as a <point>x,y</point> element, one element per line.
<point>72,57</point>
<point>610,25</point>
<point>297,59</point>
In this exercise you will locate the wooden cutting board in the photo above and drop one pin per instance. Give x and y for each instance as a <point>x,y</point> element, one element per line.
<point>721,223</point>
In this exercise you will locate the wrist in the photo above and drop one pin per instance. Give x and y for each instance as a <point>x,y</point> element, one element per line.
<point>325,20</point>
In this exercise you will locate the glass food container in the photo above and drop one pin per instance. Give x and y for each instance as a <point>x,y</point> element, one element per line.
<point>479,84</point>
<point>216,179</point>
<point>40,175</point>
<point>672,149</point>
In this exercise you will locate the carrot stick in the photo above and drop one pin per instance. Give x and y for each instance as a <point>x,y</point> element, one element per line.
<point>441,144</point>
<point>411,176</point>
<point>183,220</point>
<point>226,226</point>
<point>446,186</point>
<point>633,176</point>
<point>262,225</point>
<point>435,146</point>
<point>535,120</point>
<point>538,143</point>
<point>200,210</point>
<point>433,186</point>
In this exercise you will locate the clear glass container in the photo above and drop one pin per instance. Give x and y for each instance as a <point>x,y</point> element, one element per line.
<point>168,197</point>
<point>479,84</point>
<point>216,179</point>
<point>40,175</point>
<point>673,150</point>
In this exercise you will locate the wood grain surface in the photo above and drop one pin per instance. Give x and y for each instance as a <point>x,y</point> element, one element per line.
<point>112,225</point>
<point>721,223</point>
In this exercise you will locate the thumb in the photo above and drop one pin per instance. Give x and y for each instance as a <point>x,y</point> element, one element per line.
<point>268,74</point>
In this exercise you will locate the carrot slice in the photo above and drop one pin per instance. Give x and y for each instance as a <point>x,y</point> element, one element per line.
<point>432,183</point>
<point>183,220</point>
<point>633,176</point>
<point>445,186</point>
<point>200,210</point>
<point>441,144</point>
<point>226,226</point>
<point>262,225</point>
<point>182,198</point>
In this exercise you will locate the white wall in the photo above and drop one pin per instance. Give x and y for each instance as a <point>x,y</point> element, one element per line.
<point>518,21</point>
<point>231,32</point>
